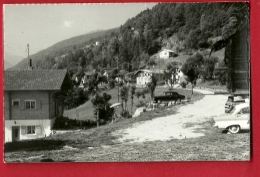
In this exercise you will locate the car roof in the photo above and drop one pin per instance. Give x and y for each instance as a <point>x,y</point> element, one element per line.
<point>243,105</point>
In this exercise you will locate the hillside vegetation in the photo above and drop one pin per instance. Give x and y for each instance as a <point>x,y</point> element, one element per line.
<point>49,58</point>
<point>183,27</point>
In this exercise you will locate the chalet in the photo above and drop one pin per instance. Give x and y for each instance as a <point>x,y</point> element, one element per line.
<point>87,75</point>
<point>166,53</point>
<point>143,76</point>
<point>30,109</point>
<point>130,78</point>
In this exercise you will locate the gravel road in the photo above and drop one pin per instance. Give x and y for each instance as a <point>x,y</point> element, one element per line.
<point>173,126</point>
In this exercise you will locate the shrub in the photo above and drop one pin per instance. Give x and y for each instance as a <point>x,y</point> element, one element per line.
<point>125,114</point>
<point>64,123</point>
<point>160,83</point>
<point>141,104</point>
<point>111,84</point>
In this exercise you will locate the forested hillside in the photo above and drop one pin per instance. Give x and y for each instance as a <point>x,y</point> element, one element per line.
<point>48,58</point>
<point>184,27</point>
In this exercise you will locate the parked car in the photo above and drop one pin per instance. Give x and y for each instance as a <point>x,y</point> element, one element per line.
<point>238,119</point>
<point>233,101</point>
<point>169,96</point>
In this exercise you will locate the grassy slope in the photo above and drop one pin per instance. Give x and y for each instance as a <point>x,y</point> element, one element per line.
<point>98,145</point>
<point>88,111</point>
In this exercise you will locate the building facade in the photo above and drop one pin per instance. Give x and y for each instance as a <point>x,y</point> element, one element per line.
<point>143,76</point>
<point>30,109</point>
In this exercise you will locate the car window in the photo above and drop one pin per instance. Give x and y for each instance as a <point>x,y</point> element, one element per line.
<point>230,99</point>
<point>245,110</point>
<point>232,111</point>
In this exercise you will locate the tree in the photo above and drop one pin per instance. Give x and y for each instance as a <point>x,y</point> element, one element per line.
<point>133,88</point>
<point>72,98</point>
<point>100,102</point>
<point>138,94</point>
<point>93,83</point>
<point>124,97</point>
<point>209,65</point>
<point>193,39</point>
<point>151,87</point>
<point>170,73</point>
<point>192,68</point>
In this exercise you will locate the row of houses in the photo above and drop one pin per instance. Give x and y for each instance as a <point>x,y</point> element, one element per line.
<point>139,78</point>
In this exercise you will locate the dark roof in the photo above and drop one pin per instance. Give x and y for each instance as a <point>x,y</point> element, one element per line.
<point>33,79</point>
<point>170,92</point>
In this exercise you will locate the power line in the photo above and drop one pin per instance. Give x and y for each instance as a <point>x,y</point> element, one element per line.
<point>18,45</point>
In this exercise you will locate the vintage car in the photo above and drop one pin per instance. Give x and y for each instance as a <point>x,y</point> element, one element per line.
<point>238,119</point>
<point>169,96</point>
<point>233,101</point>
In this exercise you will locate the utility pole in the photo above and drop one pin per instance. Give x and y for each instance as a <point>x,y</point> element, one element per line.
<point>28,55</point>
<point>159,70</point>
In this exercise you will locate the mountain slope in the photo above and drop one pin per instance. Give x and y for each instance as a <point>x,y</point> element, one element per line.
<point>11,60</point>
<point>63,47</point>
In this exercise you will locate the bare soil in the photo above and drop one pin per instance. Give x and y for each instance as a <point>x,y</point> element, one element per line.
<point>174,126</point>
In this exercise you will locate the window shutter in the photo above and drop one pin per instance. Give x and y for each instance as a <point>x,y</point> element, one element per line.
<point>23,130</point>
<point>22,104</point>
<point>38,104</point>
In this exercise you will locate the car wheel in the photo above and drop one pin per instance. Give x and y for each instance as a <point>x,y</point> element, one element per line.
<point>179,101</point>
<point>234,129</point>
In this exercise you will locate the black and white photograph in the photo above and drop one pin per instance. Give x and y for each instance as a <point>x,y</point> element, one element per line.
<point>126,82</point>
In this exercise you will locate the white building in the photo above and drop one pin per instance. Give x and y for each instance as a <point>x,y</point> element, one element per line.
<point>143,76</point>
<point>166,53</point>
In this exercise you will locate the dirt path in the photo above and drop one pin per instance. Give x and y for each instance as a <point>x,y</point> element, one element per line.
<point>173,126</point>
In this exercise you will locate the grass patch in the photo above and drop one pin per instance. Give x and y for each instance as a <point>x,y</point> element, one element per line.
<point>212,85</point>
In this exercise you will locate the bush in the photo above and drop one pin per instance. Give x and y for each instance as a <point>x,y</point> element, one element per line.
<point>213,82</point>
<point>161,83</point>
<point>64,123</point>
<point>111,84</point>
<point>125,114</point>
<point>141,104</point>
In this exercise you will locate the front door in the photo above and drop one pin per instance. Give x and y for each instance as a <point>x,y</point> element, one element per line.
<point>15,133</point>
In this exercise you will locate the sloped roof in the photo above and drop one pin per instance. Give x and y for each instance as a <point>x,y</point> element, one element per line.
<point>156,71</point>
<point>166,50</point>
<point>33,79</point>
<point>143,70</point>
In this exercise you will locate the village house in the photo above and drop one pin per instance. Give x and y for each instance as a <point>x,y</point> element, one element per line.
<point>88,74</point>
<point>166,53</point>
<point>143,76</point>
<point>30,109</point>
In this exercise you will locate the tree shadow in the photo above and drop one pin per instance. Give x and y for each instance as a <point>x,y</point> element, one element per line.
<point>34,145</point>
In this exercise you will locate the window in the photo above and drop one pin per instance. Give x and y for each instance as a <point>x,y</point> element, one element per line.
<point>30,104</point>
<point>245,110</point>
<point>30,129</point>
<point>15,102</point>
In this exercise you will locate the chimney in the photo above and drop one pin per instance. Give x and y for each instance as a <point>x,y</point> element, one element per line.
<point>30,65</point>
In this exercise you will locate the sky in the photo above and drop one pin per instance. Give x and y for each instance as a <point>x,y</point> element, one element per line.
<point>41,26</point>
